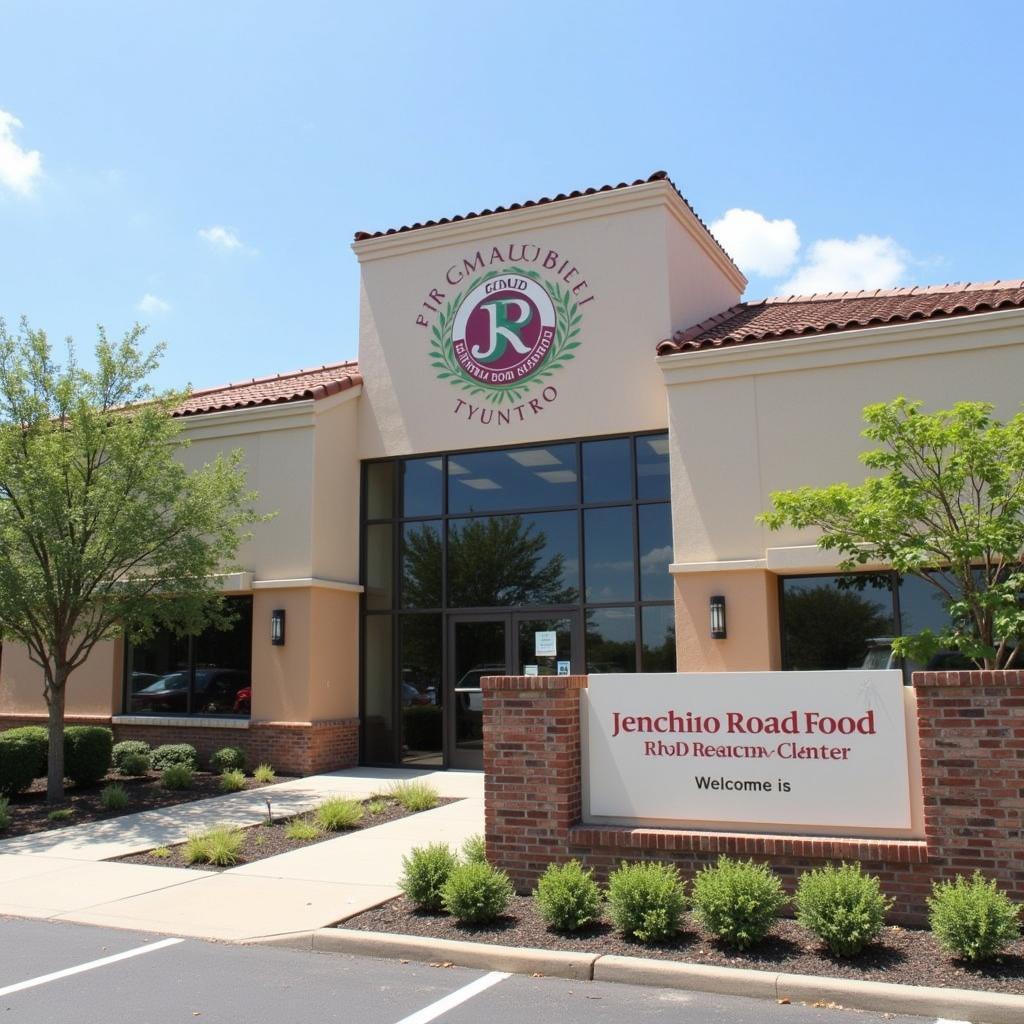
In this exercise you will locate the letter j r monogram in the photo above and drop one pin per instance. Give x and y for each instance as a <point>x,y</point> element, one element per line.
<point>506,319</point>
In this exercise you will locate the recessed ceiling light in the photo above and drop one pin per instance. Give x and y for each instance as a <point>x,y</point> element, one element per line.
<point>481,483</point>
<point>558,476</point>
<point>437,464</point>
<point>534,457</point>
<point>659,445</point>
<point>454,469</point>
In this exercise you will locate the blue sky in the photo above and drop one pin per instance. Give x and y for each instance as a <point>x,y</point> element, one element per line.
<point>202,166</point>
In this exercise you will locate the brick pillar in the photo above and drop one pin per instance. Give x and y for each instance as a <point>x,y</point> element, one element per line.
<point>532,794</point>
<point>971,728</point>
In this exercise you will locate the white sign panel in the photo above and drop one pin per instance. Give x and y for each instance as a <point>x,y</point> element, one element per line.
<point>796,749</point>
<point>546,642</point>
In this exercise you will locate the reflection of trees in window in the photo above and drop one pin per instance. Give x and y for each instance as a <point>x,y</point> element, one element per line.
<point>829,626</point>
<point>611,640</point>
<point>660,657</point>
<point>502,560</point>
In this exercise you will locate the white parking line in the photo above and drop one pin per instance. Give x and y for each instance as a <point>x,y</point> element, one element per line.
<point>90,966</point>
<point>457,998</point>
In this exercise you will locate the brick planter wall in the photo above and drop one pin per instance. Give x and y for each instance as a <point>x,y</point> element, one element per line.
<point>971,730</point>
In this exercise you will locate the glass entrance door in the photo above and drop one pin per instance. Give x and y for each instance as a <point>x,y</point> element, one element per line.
<point>478,647</point>
<point>546,645</point>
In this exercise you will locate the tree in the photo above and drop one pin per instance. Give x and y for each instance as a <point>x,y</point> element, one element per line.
<point>102,529</point>
<point>947,506</point>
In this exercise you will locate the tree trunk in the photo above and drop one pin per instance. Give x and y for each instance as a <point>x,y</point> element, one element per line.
<point>55,758</point>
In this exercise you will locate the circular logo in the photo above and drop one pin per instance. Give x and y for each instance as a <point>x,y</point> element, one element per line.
<point>503,330</point>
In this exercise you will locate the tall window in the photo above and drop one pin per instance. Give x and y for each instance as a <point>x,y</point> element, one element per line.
<point>578,525</point>
<point>206,674</point>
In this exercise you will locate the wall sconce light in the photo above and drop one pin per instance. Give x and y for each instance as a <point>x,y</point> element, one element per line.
<point>718,617</point>
<point>277,627</point>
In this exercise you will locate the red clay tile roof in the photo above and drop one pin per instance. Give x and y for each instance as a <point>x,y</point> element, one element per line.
<point>284,387</point>
<point>832,312</point>
<point>361,236</point>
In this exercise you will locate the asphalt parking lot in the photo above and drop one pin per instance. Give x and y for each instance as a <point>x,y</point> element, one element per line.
<point>52,971</point>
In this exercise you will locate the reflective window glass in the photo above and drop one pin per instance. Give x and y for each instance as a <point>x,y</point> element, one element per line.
<point>422,482</point>
<point>521,478</point>
<point>652,479</point>
<point>421,689</point>
<point>608,543</point>
<point>380,490</point>
<point>607,470</point>
<point>655,552</point>
<point>378,694</point>
<point>379,566</point>
<point>835,622</point>
<point>658,630</point>
<point>611,640</point>
<point>421,565</point>
<point>516,560</point>
<point>159,675</point>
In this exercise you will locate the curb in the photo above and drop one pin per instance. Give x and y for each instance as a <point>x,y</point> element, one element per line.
<point>954,1003</point>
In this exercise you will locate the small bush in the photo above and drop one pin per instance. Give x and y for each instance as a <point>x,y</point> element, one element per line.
<point>5,812</point>
<point>61,814</point>
<point>221,846</point>
<point>646,900</point>
<point>135,764</point>
<point>232,780</point>
<point>302,830</point>
<point>264,773</point>
<point>175,753</point>
<point>476,893</point>
<point>87,753</point>
<point>161,852</point>
<point>125,751</point>
<point>377,806</point>
<point>114,797</point>
<point>474,850</point>
<point>842,906</point>
<point>227,758</point>
<point>737,901</point>
<point>567,897</point>
<point>973,919</point>
<point>22,758</point>
<point>177,776</point>
<point>424,873</point>
<point>415,796</point>
<point>338,813</point>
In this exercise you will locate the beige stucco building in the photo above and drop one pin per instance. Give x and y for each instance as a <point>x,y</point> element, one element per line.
<point>548,459</point>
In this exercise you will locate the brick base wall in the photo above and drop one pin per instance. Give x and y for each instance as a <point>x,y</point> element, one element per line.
<point>293,748</point>
<point>971,732</point>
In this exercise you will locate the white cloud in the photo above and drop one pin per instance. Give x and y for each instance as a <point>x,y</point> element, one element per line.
<point>220,237</point>
<point>19,167</point>
<point>839,265</point>
<point>152,304</point>
<point>758,245</point>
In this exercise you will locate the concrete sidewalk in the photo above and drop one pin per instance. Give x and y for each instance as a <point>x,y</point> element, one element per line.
<point>62,875</point>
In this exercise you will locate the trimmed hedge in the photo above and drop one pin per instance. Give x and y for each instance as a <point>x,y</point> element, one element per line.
<point>87,753</point>
<point>174,753</point>
<point>127,749</point>
<point>22,759</point>
<point>227,759</point>
<point>39,739</point>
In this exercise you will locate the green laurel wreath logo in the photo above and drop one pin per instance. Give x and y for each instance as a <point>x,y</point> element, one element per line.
<point>567,326</point>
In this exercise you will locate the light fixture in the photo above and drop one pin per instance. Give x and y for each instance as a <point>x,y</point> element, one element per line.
<point>277,627</point>
<point>718,617</point>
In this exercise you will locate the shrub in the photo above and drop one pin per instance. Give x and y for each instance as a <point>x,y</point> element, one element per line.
<point>161,852</point>
<point>227,757</point>
<point>302,830</point>
<point>264,773</point>
<point>338,813</point>
<point>476,893</point>
<point>5,812</point>
<point>415,795</point>
<point>474,850</point>
<point>135,764</point>
<point>22,759</point>
<point>221,846</point>
<point>842,906</point>
<point>87,753</point>
<point>175,753</point>
<point>125,751</point>
<point>646,900</point>
<point>972,919</point>
<point>737,901</point>
<point>424,873</point>
<point>567,897</point>
<point>232,780</point>
<point>61,814</point>
<point>377,806</point>
<point>177,776</point>
<point>114,797</point>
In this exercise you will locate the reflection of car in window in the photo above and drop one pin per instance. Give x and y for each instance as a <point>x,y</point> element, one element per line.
<point>216,690</point>
<point>474,699</point>
<point>880,655</point>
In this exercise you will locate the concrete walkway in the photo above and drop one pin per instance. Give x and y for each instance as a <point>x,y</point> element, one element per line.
<point>63,874</point>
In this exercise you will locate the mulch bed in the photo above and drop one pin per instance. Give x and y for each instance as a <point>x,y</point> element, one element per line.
<point>29,810</point>
<point>904,956</point>
<point>262,841</point>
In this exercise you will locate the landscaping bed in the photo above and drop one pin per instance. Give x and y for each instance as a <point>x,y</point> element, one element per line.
<point>29,810</point>
<point>901,955</point>
<point>262,841</point>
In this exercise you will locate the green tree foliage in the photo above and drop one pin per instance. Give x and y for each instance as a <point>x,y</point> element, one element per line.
<point>946,504</point>
<point>828,627</point>
<point>98,516</point>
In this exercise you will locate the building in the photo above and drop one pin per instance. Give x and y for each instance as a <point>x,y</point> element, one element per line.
<point>549,459</point>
